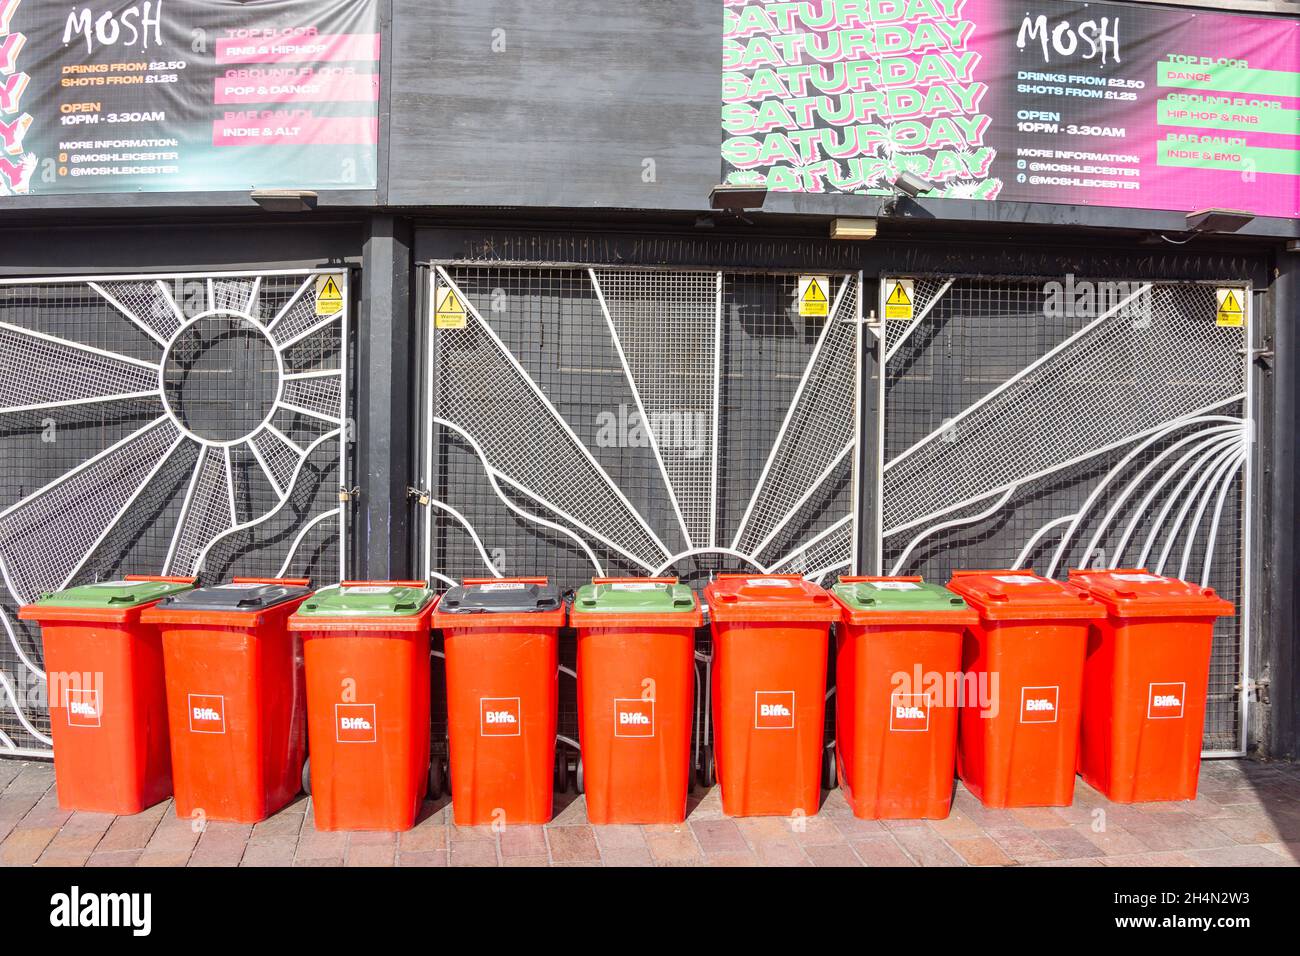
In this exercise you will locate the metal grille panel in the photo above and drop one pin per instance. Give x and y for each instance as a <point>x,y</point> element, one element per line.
<point>133,413</point>
<point>1022,436</point>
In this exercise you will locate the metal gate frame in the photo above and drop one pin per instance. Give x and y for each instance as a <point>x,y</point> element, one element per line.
<point>94,281</point>
<point>426,391</point>
<point>876,545</point>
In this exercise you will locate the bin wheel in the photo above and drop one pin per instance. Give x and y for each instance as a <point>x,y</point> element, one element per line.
<point>561,772</point>
<point>830,779</point>
<point>435,779</point>
<point>708,772</point>
<point>306,776</point>
<point>577,778</point>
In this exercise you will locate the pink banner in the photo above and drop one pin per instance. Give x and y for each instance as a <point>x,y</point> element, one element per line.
<point>319,87</point>
<point>300,49</point>
<point>294,128</point>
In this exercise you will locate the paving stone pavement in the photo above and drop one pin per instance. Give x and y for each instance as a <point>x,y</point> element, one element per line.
<point>1246,814</point>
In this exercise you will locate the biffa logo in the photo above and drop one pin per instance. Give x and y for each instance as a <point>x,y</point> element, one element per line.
<point>499,717</point>
<point>773,709</point>
<point>207,713</point>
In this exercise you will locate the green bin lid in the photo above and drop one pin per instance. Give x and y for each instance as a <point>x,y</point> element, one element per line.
<point>634,597</point>
<point>897,596</point>
<point>113,594</point>
<point>366,600</point>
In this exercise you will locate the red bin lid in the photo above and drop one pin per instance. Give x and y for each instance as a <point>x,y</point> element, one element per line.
<point>1136,592</point>
<point>768,598</point>
<point>1019,594</point>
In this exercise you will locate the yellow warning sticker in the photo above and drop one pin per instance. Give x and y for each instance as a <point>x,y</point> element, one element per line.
<point>813,300</point>
<point>1231,313</point>
<point>899,296</point>
<point>448,311</point>
<point>329,295</point>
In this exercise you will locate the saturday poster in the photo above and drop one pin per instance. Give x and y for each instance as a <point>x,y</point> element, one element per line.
<point>1045,101</point>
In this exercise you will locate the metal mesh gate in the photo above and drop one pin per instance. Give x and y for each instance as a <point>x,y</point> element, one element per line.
<point>619,421</point>
<point>1100,424</point>
<point>180,424</point>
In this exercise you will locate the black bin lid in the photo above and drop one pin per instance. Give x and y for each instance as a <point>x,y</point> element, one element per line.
<point>241,596</point>
<point>500,597</point>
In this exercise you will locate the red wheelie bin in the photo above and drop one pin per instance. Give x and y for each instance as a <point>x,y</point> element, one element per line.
<point>897,662</point>
<point>1145,683</point>
<point>636,691</point>
<point>501,640</point>
<point>107,696</point>
<point>770,644</point>
<point>236,699</point>
<point>1018,741</point>
<point>366,656</point>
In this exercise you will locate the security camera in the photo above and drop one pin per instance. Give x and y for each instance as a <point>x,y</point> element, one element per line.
<point>912,185</point>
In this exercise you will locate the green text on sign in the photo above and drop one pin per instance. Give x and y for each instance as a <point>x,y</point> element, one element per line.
<point>1231,79</point>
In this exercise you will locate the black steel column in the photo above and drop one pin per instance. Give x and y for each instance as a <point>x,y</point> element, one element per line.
<point>385,401</point>
<point>869,424</point>
<point>1280,528</point>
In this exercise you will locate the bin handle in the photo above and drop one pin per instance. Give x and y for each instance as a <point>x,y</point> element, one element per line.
<point>734,577</point>
<point>289,582</point>
<point>1080,571</point>
<point>469,581</point>
<point>161,578</point>
<point>392,584</point>
<point>868,578</point>
<point>667,580</point>
<point>973,572</point>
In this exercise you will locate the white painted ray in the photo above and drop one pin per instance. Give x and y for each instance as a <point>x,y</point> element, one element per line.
<point>293,300</point>
<point>819,420</point>
<point>1123,375</point>
<point>1204,459</point>
<point>494,477</point>
<point>1222,479</point>
<point>469,528</point>
<point>693,552</point>
<point>40,371</point>
<point>121,512</point>
<point>297,541</point>
<point>251,306</point>
<point>206,512</point>
<point>603,501</point>
<point>284,438</point>
<point>813,541</point>
<point>1141,476</point>
<point>55,524</point>
<point>921,316</point>
<point>1037,536</point>
<point>1060,466</point>
<point>274,482</point>
<point>146,304</point>
<point>310,413</point>
<point>18,711</point>
<point>317,395</point>
<point>634,328</point>
<point>266,516</point>
<point>1209,475</point>
<point>14,643</point>
<point>803,499</point>
<point>1104,483</point>
<point>1214,526</point>
<point>1204,445</point>
<point>954,523</point>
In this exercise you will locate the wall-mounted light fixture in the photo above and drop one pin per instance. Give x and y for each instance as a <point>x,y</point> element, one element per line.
<point>284,200</point>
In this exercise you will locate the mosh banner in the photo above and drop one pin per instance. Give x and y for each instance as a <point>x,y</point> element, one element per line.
<point>187,95</point>
<point>1045,101</point>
